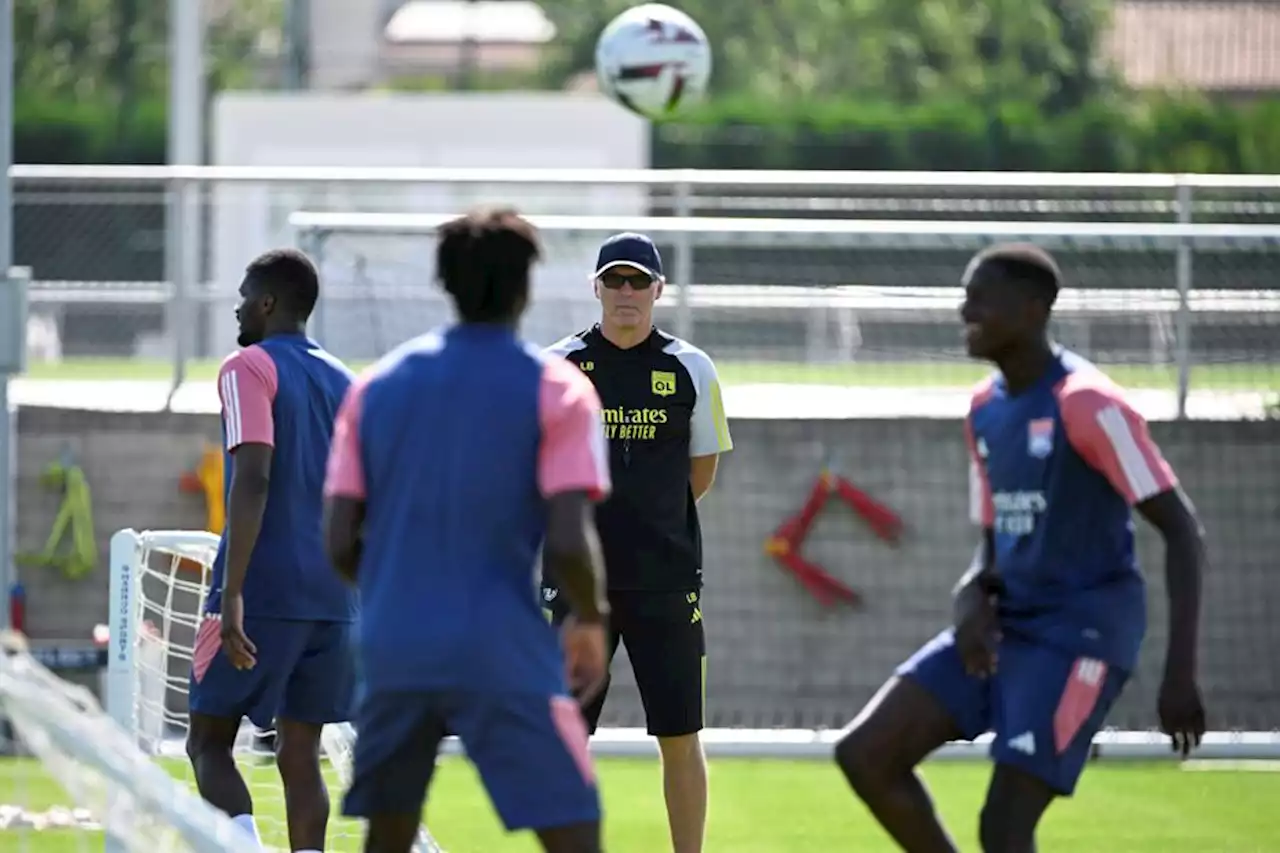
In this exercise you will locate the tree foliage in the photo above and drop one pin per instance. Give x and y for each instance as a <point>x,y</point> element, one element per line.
<point>1043,52</point>
<point>115,51</point>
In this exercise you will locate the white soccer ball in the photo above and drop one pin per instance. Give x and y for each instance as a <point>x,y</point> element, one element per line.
<point>654,60</point>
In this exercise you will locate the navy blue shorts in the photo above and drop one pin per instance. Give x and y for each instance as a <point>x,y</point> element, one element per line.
<point>305,672</point>
<point>1043,704</point>
<point>530,751</point>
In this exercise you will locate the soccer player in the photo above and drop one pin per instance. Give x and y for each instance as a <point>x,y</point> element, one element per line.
<point>666,427</point>
<point>1049,618</point>
<point>274,641</point>
<point>454,459</point>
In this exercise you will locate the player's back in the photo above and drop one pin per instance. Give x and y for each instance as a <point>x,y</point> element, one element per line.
<point>289,576</point>
<point>1063,461</point>
<point>450,431</point>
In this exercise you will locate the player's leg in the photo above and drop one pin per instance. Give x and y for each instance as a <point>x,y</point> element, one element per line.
<point>395,758</point>
<point>929,701</point>
<point>319,691</point>
<point>1047,707</point>
<point>667,645</point>
<point>531,752</point>
<point>210,744</point>
<point>556,609</point>
<point>220,697</point>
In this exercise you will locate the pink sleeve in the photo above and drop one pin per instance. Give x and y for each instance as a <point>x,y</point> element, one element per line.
<point>345,476</point>
<point>573,455</point>
<point>981,509</point>
<point>247,385</point>
<point>1111,437</point>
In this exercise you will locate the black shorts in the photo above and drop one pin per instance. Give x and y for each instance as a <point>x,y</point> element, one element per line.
<point>668,649</point>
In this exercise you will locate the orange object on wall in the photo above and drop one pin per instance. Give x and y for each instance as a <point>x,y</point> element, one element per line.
<point>207,478</point>
<point>786,542</point>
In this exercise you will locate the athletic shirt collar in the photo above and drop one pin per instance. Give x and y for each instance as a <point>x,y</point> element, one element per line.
<point>654,340</point>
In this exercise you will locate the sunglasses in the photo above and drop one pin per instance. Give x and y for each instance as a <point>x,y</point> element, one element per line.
<point>615,281</point>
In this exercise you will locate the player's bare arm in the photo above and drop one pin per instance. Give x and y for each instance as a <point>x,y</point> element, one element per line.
<point>708,427</point>
<point>343,521</point>
<point>572,556</point>
<point>343,513</point>
<point>702,474</point>
<point>974,610</point>
<point>246,503</point>
<point>1180,708</point>
<point>975,595</point>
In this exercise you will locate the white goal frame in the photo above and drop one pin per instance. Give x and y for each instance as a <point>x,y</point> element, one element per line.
<point>137,705</point>
<point>1168,309</point>
<point>121,698</point>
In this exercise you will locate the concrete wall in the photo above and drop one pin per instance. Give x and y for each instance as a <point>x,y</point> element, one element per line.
<point>777,658</point>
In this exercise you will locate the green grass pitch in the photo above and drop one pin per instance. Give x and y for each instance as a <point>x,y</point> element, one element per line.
<point>777,806</point>
<point>940,374</point>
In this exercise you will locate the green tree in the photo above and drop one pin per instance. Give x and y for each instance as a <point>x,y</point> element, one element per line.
<point>116,51</point>
<point>903,51</point>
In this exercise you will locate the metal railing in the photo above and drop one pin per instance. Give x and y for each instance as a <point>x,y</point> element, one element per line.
<point>1174,209</point>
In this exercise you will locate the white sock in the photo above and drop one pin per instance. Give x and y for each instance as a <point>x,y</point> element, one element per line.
<point>245,822</point>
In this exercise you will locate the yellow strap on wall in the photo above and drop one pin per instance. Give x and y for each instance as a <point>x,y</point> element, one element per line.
<point>75,513</point>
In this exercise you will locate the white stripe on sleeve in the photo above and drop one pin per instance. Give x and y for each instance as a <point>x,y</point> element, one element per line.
<point>1143,482</point>
<point>231,409</point>
<point>977,495</point>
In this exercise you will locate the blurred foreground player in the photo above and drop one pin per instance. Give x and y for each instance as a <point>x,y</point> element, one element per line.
<point>454,459</point>
<point>1050,616</point>
<point>274,644</point>
<point>666,427</point>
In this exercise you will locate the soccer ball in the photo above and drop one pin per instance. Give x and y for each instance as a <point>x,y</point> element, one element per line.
<point>653,60</point>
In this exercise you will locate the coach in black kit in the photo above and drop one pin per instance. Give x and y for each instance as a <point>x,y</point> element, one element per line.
<point>665,424</point>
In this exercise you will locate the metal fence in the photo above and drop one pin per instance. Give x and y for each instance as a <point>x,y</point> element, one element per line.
<point>136,267</point>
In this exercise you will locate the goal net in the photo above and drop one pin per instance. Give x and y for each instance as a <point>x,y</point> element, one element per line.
<point>61,742</point>
<point>839,347</point>
<point>159,580</point>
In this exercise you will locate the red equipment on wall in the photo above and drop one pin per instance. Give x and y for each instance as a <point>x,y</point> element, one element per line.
<point>786,542</point>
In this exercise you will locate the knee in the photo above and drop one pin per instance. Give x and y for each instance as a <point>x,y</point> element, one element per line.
<point>297,751</point>
<point>201,744</point>
<point>195,746</point>
<point>863,759</point>
<point>681,749</point>
<point>1000,832</point>
<point>992,827</point>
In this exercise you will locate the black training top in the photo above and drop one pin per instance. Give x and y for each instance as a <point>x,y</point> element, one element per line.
<point>662,406</point>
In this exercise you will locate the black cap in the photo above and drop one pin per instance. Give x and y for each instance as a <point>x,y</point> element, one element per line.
<point>629,250</point>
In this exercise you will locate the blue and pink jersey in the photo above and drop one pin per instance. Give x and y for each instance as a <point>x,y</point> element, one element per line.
<point>454,441</point>
<point>285,393</point>
<point>1055,470</point>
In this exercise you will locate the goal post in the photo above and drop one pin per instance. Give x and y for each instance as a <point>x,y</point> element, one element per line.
<point>828,291</point>
<point>158,585</point>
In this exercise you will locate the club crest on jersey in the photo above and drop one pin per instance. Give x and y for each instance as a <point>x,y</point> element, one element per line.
<point>1040,437</point>
<point>664,383</point>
